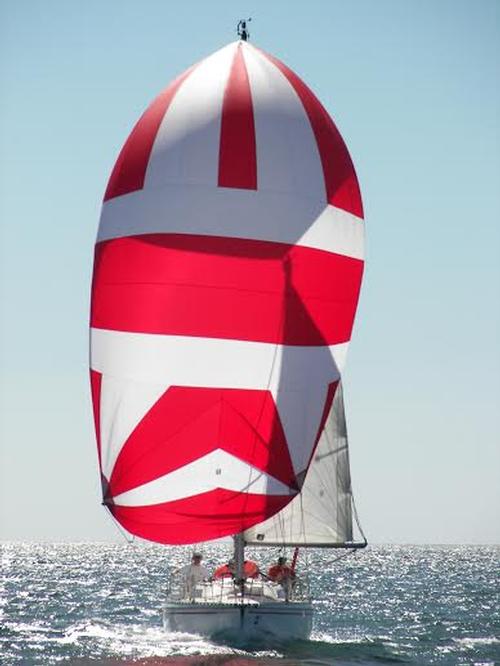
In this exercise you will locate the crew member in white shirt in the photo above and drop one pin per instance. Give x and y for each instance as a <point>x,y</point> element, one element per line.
<point>194,573</point>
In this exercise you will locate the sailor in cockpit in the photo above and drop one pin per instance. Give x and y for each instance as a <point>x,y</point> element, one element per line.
<point>194,573</point>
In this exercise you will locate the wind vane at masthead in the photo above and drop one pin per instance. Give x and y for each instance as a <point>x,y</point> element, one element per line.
<point>242,30</point>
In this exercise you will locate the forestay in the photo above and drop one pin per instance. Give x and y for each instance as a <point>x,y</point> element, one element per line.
<point>227,272</point>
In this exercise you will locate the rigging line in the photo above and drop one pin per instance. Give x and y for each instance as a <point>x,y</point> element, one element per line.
<point>356,518</point>
<point>307,558</point>
<point>355,511</point>
<point>302,517</point>
<point>281,528</point>
<point>129,538</point>
<point>279,519</point>
<point>332,452</point>
<point>259,418</point>
<point>330,494</point>
<point>322,481</point>
<point>279,525</point>
<point>352,551</point>
<point>281,327</point>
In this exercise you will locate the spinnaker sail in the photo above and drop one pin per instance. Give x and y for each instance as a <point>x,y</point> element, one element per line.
<point>227,271</point>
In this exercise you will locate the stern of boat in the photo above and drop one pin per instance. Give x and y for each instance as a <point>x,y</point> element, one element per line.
<point>220,606</point>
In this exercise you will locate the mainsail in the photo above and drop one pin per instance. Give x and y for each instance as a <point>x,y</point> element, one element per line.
<point>322,514</point>
<point>227,271</point>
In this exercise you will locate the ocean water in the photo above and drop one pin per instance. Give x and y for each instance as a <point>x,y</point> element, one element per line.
<point>100,603</point>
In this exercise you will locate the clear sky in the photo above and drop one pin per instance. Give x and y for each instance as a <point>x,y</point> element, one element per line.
<point>413,87</point>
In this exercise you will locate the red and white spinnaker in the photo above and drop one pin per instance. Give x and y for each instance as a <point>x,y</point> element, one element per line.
<point>227,272</point>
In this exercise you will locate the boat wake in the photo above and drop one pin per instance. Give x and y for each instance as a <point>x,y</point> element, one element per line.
<point>321,649</point>
<point>111,642</point>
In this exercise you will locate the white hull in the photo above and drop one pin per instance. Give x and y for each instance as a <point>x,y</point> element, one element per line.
<point>282,619</point>
<point>212,608</point>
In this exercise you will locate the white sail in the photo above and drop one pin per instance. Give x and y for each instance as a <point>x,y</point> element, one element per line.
<point>322,514</point>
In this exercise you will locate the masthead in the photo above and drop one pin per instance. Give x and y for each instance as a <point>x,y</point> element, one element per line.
<point>242,30</point>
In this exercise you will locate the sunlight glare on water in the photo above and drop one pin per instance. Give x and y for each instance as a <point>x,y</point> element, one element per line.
<point>407,604</point>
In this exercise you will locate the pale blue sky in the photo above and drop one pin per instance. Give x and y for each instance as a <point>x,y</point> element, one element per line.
<point>413,87</point>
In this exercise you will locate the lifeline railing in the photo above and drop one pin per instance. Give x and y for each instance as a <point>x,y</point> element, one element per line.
<point>180,588</point>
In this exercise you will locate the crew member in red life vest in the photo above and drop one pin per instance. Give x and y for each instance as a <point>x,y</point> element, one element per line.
<point>226,570</point>
<point>281,572</point>
<point>250,570</point>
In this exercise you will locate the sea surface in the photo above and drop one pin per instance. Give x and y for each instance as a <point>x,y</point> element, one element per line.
<point>100,603</point>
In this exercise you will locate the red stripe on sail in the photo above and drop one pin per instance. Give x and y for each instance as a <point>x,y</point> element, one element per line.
<point>227,288</point>
<point>95,387</point>
<point>130,169</point>
<point>188,423</point>
<point>342,187</point>
<point>237,152</point>
<point>211,515</point>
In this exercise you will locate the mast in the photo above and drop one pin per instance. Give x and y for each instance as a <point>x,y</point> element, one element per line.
<point>239,560</point>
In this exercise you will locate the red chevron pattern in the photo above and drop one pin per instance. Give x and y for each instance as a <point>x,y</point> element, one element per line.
<point>187,423</point>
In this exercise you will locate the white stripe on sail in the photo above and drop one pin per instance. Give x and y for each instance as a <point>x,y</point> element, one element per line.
<point>207,362</point>
<point>218,469</point>
<point>186,147</point>
<point>227,212</point>
<point>123,404</point>
<point>288,372</point>
<point>288,159</point>
<point>335,230</point>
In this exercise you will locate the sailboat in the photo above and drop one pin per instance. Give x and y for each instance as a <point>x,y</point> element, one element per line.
<point>227,272</point>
